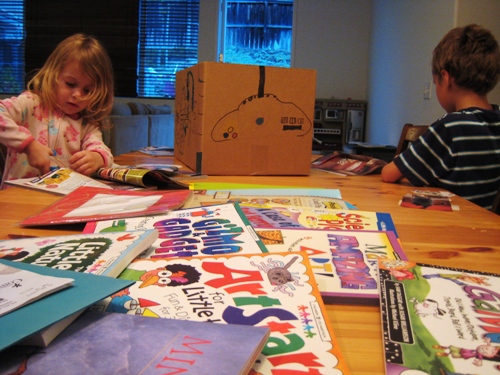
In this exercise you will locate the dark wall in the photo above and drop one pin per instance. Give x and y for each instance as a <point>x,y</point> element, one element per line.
<point>114,22</point>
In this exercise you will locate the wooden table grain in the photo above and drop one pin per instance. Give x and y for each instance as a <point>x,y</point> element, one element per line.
<point>467,238</point>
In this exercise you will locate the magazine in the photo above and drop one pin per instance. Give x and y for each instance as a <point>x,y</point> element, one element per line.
<point>157,150</point>
<point>298,197</point>
<point>265,290</point>
<point>58,181</point>
<point>428,200</point>
<point>91,204</point>
<point>273,216</point>
<point>161,176</point>
<point>344,263</point>
<point>110,343</point>
<point>198,231</point>
<point>348,164</point>
<point>439,320</point>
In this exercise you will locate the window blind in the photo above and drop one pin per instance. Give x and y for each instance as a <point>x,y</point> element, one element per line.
<point>11,46</point>
<point>168,42</point>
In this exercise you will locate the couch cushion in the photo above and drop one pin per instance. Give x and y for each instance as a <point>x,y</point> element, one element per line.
<point>120,109</point>
<point>148,109</point>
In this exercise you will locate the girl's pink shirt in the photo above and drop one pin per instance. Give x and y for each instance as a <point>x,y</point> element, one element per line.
<point>23,119</point>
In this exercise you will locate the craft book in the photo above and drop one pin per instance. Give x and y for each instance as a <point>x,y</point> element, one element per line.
<point>91,204</point>
<point>199,231</point>
<point>276,291</point>
<point>97,253</point>
<point>58,181</point>
<point>110,343</point>
<point>344,263</point>
<point>62,306</point>
<point>439,320</point>
<point>270,215</point>
<point>287,197</point>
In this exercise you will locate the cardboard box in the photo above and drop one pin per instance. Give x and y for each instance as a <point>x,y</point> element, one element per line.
<point>233,119</point>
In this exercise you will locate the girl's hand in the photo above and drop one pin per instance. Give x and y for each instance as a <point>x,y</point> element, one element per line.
<point>86,162</point>
<point>39,156</point>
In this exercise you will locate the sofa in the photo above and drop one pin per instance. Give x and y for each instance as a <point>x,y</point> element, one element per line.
<point>136,125</point>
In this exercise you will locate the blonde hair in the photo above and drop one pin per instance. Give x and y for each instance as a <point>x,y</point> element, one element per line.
<point>95,63</point>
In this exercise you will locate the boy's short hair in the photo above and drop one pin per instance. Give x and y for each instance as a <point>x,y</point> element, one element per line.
<point>471,55</point>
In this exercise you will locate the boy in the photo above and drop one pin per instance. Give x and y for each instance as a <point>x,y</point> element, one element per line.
<point>460,152</point>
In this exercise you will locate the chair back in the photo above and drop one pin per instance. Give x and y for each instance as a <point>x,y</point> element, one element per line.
<point>410,133</point>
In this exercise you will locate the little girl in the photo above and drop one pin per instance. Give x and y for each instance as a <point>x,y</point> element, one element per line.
<point>58,120</point>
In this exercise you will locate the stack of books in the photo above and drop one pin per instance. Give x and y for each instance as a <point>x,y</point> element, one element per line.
<point>264,259</point>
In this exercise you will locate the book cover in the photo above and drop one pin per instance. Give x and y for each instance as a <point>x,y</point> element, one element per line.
<point>58,181</point>
<point>344,263</point>
<point>198,231</point>
<point>111,343</point>
<point>273,216</point>
<point>298,197</point>
<point>97,253</point>
<point>91,204</point>
<point>348,164</point>
<point>30,319</point>
<point>277,291</point>
<point>439,320</point>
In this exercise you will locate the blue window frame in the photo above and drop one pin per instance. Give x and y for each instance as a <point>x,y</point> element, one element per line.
<point>168,42</point>
<point>256,32</point>
<point>12,39</point>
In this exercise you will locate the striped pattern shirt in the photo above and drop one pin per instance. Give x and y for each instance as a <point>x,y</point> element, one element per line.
<point>461,153</point>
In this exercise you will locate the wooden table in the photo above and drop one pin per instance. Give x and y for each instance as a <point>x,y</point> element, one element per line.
<point>467,238</point>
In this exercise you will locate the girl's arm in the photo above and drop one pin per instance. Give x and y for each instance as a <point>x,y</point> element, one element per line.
<point>14,112</point>
<point>15,133</point>
<point>94,155</point>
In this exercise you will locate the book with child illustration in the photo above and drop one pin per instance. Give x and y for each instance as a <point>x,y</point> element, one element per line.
<point>39,322</point>
<point>276,290</point>
<point>344,263</point>
<point>348,164</point>
<point>102,343</point>
<point>91,204</point>
<point>274,216</point>
<point>58,181</point>
<point>190,232</point>
<point>439,320</point>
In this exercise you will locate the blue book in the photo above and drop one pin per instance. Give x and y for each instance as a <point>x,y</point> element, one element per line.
<point>112,343</point>
<point>61,306</point>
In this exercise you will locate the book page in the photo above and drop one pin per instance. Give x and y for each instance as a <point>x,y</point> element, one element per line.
<point>19,287</point>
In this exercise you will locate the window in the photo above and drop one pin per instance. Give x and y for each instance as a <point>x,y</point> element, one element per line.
<point>148,40</point>
<point>168,42</point>
<point>256,32</point>
<point>11,46</point>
